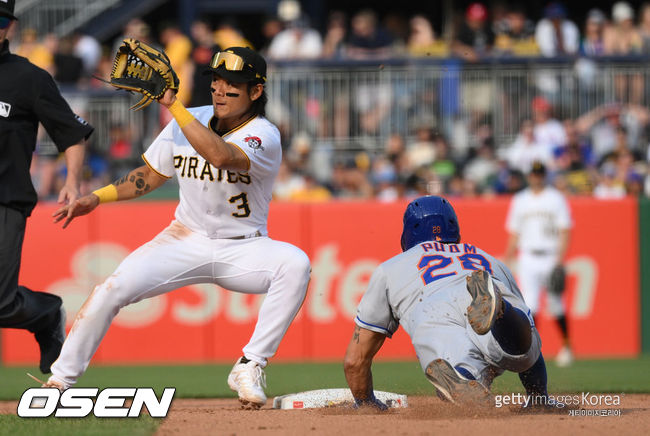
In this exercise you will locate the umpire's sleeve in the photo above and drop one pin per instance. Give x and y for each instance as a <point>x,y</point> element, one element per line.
<point>374,312</point>
<point>64,126</point>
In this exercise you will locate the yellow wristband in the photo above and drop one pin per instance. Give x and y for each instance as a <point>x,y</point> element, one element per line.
<point>107,193</point>
<point>181,114</point>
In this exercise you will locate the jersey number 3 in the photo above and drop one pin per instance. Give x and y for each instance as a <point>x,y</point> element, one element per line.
<point>242,206</point>
<point>432,263</point>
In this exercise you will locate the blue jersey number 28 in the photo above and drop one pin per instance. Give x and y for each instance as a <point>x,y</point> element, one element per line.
<point>429,264</point>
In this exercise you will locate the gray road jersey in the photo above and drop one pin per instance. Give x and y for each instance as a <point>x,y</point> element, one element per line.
<point>403,282</point>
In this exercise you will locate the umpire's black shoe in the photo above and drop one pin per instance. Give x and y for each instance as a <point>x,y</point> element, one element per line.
<point>50,340</point>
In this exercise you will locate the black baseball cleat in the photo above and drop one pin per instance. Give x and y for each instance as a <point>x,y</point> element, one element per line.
<point>453,387</point>
<point>50,340</point>
<point>486,303</point>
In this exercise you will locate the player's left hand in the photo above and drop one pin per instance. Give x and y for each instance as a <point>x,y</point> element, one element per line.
<point>68,194</point>
<point>81,206</point>
<point>168,98</point>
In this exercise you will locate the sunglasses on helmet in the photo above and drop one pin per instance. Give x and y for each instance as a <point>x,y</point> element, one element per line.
<point>231,61</point>
<point>5,22</point>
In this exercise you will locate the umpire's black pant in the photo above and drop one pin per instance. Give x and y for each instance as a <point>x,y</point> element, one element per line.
<point>20,308</point>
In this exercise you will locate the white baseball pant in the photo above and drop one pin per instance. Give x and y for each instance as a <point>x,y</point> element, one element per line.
<point>439,330</point>
<point>534,271</point>
<point>178,257</point>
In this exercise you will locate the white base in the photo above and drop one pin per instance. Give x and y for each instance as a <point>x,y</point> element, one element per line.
<point>332,397</point>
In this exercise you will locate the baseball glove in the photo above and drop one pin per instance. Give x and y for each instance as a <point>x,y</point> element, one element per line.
<point>557,280</point>
<point>141,68</point>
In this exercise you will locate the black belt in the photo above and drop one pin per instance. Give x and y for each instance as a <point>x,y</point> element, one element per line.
<point>252,235</point>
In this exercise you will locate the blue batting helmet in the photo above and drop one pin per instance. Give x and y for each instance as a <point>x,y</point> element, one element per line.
<point>429,218</point>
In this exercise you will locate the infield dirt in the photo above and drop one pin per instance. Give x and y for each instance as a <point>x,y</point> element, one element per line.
<point>425,415</point>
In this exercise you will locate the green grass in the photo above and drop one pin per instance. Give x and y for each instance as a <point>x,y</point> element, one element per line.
<point>202,381</point>
<point>14,425</point>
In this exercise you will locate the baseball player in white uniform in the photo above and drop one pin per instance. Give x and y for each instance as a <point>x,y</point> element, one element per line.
<point>226,157</point>
<point>539,224</point>
<point>459,305</point>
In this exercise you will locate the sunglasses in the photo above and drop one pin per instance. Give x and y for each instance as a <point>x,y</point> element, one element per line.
<point>230,60</point>
<point>5,22</point>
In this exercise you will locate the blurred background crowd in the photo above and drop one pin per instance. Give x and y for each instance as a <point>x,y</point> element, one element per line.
<point>439,111</point>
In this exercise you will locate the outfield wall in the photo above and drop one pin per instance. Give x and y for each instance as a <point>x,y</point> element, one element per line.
<point>345,241</point>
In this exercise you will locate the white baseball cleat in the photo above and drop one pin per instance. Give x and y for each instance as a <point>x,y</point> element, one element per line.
<point>248,380</point>
<point>564,358</point>
<point>39,402</point>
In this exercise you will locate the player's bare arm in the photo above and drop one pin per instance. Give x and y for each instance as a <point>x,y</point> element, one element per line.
<point>358,361</point>
<point>135,184</point>
<point>208,144</point>
<point>74,157</point>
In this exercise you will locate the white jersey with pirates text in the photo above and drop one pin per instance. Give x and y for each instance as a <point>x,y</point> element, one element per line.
<point>214,202</point>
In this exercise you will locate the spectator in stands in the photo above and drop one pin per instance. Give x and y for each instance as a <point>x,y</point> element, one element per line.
<point>134,28</point>
<point>384,179</point>
<point>474,38</point>
<point>592,43</point>
<point>575,162</point>
<point>178,48</point>
<point>89,50</point>
<point>526,150</point>
<point>368,40</point>
<point>335,34</point>
<point>121,152</point>
<point>644,28</point>
<point>68,68</point>
<point>555,34</point>
<point>349,181</point>
<point>516,35</point>
<point>444,166</point>
<point>422,40</point>
<point>634,185</point>
<point>622,38</point>
<point>548,131</point>
<point>481,169</point>
<point>228,34</point>
<point>603,125</point>
<point>297,41</point>
<point>287,182</point>
<point>610,186</point>
<point>398,28</point>
<point>204,47</point>
<point>395,151</point>
<point>271,26</point>
<point>311,191</point>
<point>422,151</point>
<point>35,52</point>
<point>103,70</point>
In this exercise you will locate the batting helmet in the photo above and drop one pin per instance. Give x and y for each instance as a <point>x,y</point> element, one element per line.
<point>429,218</point>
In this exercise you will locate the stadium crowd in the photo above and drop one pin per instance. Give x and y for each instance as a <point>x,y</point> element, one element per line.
<point>603,152</point>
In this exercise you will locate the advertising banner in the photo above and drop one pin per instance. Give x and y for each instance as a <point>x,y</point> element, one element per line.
<point>345,242</point>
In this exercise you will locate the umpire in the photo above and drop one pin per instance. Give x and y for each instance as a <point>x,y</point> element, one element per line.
<point>28,95</point>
